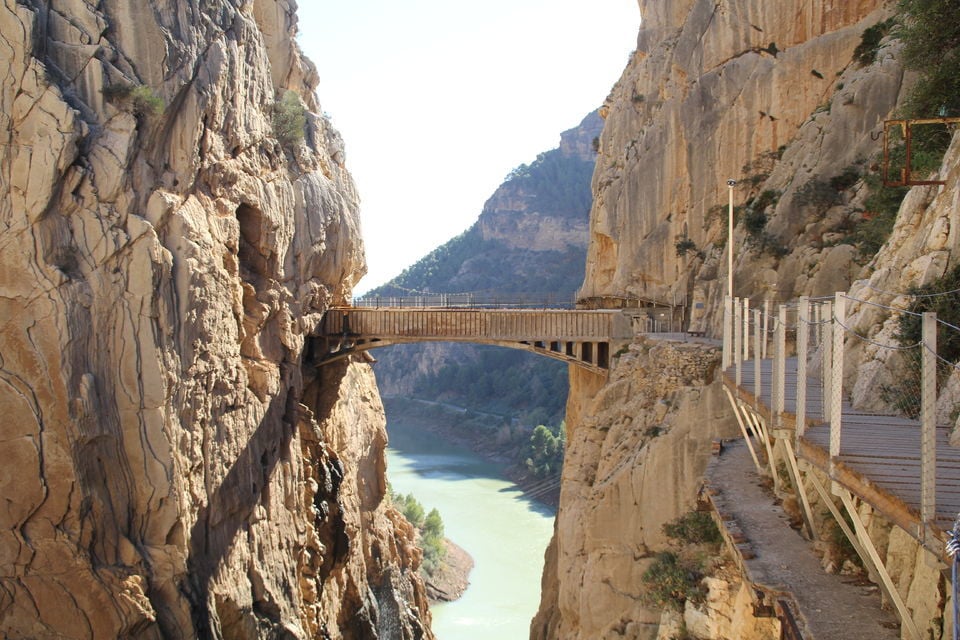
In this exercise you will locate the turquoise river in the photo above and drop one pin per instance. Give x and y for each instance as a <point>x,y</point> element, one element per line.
<point>488,516</point>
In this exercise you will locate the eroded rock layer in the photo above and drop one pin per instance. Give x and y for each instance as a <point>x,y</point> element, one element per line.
<point>173,464</point>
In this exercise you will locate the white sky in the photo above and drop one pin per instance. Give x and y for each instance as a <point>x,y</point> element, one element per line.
<point>438,100</point>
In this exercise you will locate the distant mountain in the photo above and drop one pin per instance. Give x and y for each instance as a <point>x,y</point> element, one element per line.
<point>530,238</point>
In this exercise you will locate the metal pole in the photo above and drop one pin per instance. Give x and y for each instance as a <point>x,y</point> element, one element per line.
<point>826,359</point>
<point>727,333</point>
<point>738,339</point>
<point>766,325</point>
<point>757,377</point>
<point>928,422</point>
<point>780,351</point>
<point>836,383</point>
<point>746,328</point>
<point>730,185</point>
<point>803,333</point>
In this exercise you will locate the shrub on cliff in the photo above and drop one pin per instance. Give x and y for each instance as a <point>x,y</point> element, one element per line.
<point>696,527</point>
<point>672,580</point>
<point>289,119</point>
<point>676,576</point>
<point>143,101</point>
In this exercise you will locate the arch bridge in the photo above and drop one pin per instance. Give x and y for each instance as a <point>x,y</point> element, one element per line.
<point>577,336</point>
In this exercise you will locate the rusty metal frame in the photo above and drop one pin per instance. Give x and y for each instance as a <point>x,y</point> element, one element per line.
<point>906,130</point>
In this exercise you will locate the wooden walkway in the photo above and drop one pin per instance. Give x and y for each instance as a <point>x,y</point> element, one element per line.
<point>879,455</point>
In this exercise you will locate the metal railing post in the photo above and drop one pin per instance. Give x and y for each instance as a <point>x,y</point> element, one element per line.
<point>826,358</point>
<point>737,339</point>
<point>766,326</point>
<point>836,383</point>
<point>757,378</point>
<point>779,372</point>
<point>928,424</point>
<point>727,334</point>
<point>746,329</point>
<point>803,334</point>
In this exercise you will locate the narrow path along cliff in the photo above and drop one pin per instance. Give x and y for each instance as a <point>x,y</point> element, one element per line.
<point>830,605</point>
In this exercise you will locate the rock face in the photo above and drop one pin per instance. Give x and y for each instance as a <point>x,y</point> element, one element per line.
<point>634,461</point>
<point>770,96</point>
<point>174,465</point>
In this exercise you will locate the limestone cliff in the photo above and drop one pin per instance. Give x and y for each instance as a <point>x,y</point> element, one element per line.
<point>768,94</point>
<point>635,457</point>
<point>174,467</point>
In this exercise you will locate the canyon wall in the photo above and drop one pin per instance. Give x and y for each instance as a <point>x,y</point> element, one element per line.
<point>768,96</point>
<point>774,98</point>
<point>174,464</point>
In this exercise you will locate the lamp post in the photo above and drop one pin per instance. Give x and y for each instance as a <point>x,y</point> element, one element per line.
<point>730,185</point>
<point>728,300</point>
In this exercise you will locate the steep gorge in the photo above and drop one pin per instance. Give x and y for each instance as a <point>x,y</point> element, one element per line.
<point>174,465</point>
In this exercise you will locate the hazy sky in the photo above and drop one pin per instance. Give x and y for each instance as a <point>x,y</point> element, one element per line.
<point>438,100</point>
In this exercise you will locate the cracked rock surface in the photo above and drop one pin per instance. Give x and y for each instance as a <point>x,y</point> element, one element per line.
<point>173,464</point>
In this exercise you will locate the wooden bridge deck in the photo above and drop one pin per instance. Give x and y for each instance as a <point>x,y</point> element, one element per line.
<point>879,455</point>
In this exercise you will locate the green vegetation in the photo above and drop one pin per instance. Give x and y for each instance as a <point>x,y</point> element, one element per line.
<point>685,245</point>
<point>676,576</point>
<point>142,99</point>
<point>866,52</point>
<point>545,451</point>
<point>501,381</point>
<point>695,527</point>
<point>882,206</point>
<point>671,581</point>
<point>430,528</point>
<point>432,542</point>
<point>942,297</point>
<point>753,216</point>
<point>930,33</point>
<point>556,184</point>
<point>289,119</point>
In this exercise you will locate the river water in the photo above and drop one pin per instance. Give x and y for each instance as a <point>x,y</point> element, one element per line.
<point>505,533</point>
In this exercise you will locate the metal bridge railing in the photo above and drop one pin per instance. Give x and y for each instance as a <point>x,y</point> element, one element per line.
<point>468,301</point>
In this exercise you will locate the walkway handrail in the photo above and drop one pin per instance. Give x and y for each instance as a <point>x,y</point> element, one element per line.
<point>822,328</point>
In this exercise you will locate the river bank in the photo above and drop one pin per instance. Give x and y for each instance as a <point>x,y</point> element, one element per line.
<point>504,532</point>
<point>489,435</point>
<point>451,580</point>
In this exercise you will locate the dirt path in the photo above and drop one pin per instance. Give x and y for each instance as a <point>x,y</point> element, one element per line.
<point>830,606</point>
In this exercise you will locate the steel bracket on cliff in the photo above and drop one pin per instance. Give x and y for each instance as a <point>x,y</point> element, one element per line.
<point>905,135</point>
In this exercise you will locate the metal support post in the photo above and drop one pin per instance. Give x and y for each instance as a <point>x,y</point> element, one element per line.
<point>757,377</point>
<point>743,427</point>
<point>766,326</point>
<point>727,332</point>
<point>746,329</point>
<point>737,339</point>
<point>779,368</point>
<point>905,618</point>
<point>826,358</point>
<point>798,487</point>
<point>836,383</point>
<point>803,334</point>
<point>928,424</point>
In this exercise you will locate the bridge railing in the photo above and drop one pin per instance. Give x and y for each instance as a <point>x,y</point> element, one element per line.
<point>837,349</point>
<point>468,301</point>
